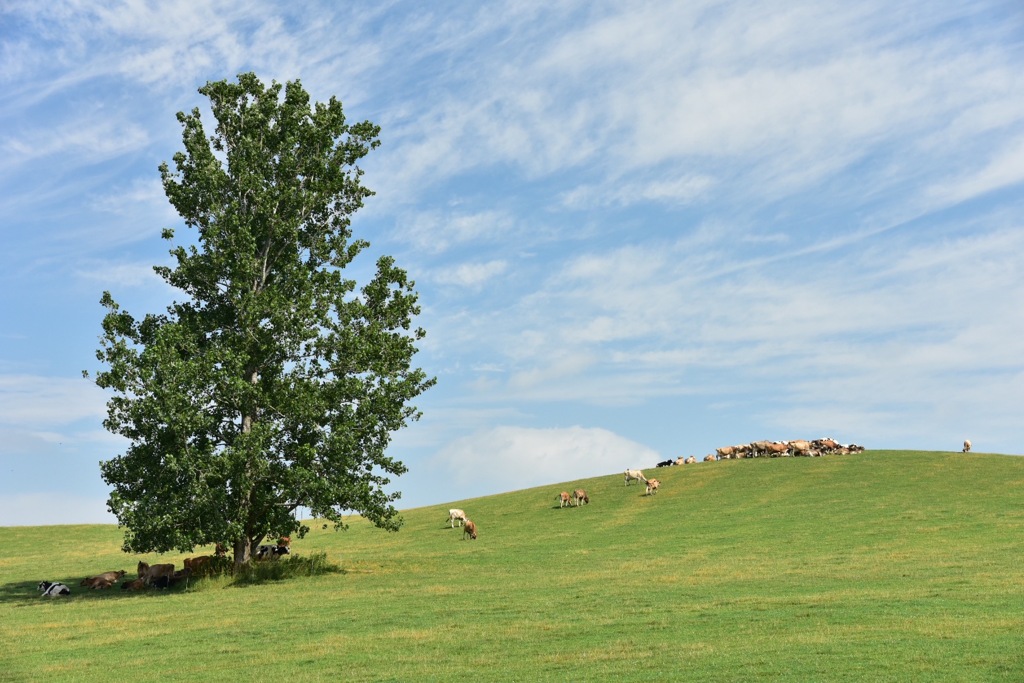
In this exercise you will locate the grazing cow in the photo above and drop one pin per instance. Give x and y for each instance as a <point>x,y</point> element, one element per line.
<point>652,486</point>
<point>967,446</point>
<point>726,452</point>
<point>149,573</point>
<point>51,589</point>
<point>469,528</point>
<point>456,515</point>
<point>135,585</point>
<point>635,474</point>
<point>579,497</point>
<point>777,448</point>
<point>271,552</point>
<point>564,499</point>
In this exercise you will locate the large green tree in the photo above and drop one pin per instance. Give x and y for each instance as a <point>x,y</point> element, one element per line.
<point>275,382</point>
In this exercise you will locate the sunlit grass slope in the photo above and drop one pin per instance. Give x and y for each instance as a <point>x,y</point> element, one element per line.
<point>883,566</point>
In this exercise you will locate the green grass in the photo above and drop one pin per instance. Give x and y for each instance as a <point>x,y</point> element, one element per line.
<point>883,566</point>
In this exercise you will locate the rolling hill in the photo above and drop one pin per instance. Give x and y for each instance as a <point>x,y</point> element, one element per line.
<point>887,565</point>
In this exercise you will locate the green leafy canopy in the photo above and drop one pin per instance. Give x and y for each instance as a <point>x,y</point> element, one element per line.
<point>275,383</point>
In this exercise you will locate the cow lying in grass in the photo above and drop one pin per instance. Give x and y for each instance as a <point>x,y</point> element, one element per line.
<point>52,589</point>
<point>104,580</point>
<point>469,529</point>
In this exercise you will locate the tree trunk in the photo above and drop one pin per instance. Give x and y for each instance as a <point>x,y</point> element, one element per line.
<point>241,551</point>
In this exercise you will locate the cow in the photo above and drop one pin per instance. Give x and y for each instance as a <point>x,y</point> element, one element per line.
<point>469,528</point>
<point>579,497</point>
<point>635,474</point>
<point>149,572</point>
<point>826,445</point>
<point>135,585</point>
<point>52,589</point>
<point>168,581</point>
<point>967,446</point>
<point>726,452</point>
<point>801,447</point>
<point>652,486</point>
<point>271,552</point>
<point>200,564</point>
<point>777,448</point>
<point>666,463</point>
<point>456,515</point>
<point>564,499</point>
<point>710,457</point>
<point>680,460</point>
<point>104,580</point>
<point>692,460</point>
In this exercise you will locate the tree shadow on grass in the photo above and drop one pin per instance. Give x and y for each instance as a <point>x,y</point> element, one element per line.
<point>24,593</point>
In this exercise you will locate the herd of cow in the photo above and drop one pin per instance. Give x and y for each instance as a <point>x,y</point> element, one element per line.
<point>578,497</point>
<point>165,575</point>
<point>773,449</point>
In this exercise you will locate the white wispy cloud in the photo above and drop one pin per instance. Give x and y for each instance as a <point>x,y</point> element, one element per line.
<point>28,400</point>
<point>506,458</point>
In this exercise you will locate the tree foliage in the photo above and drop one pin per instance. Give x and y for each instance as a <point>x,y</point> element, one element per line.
<point>275,382</point>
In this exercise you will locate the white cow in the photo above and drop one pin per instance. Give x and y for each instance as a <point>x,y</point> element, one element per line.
<point>456,515</point>
<point>967,446</point>
<point>635,474</point>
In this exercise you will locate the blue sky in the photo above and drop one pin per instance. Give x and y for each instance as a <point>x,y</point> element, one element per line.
<point>639,230</point>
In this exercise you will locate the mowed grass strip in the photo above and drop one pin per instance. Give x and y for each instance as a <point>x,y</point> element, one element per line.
<point>878,566</point>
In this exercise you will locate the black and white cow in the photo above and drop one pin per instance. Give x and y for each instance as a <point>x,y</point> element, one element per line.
<point>271,552</point>
<point>51,589</point>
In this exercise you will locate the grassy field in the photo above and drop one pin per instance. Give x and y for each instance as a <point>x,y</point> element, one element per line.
<point>883,566</point>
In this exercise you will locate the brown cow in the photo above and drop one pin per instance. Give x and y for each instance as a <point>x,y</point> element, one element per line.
<point>801,447</point>
<point>564,499</point>
<point>136,585</point>
<point>652,486</point>
<point>199,565</point>
<point>967,446</point>
<point>470,529</point>
<point>104,580</point>
<point>97,583</point>
<point>579,497</point>
<point>149,573</point>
